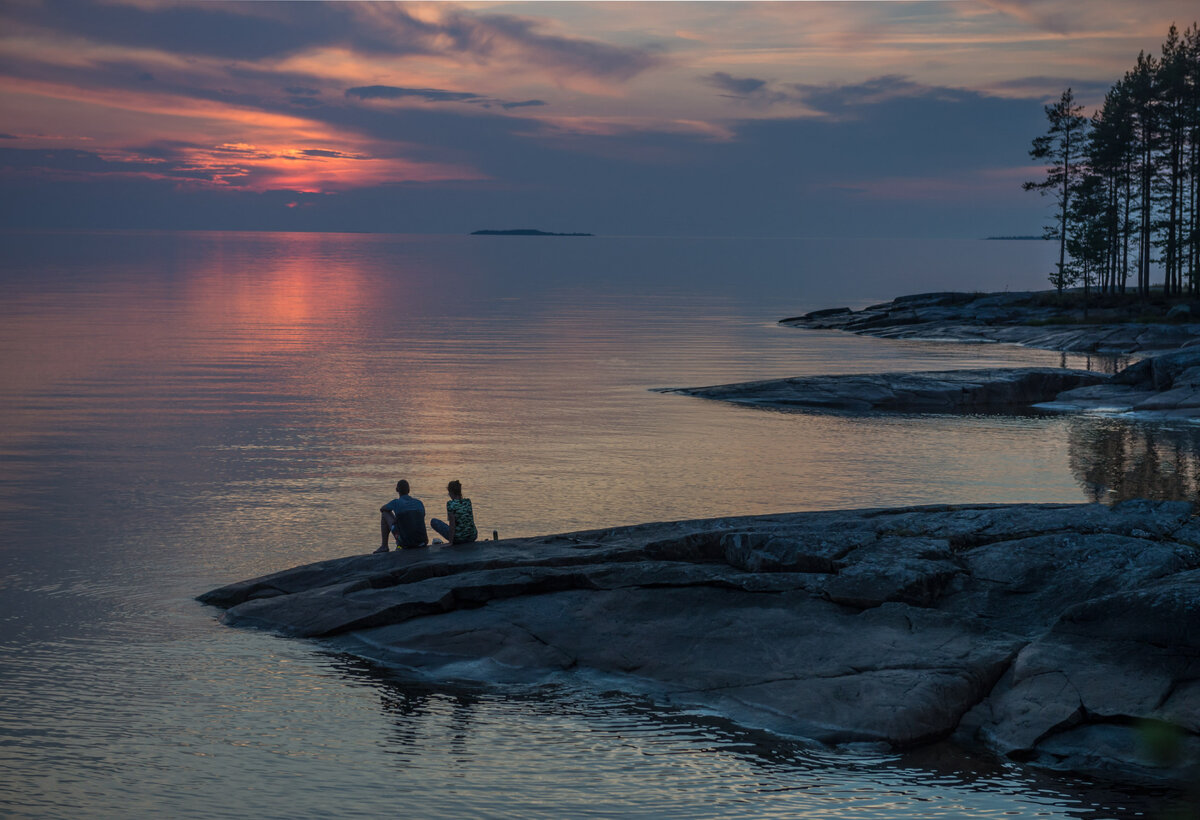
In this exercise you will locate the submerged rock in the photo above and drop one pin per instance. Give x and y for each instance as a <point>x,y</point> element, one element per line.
<point>1053,634</point>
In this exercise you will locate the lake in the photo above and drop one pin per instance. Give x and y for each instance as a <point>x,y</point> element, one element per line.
<point>183,410</point>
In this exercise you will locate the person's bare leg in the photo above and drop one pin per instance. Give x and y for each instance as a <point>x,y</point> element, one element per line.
<point>386,520</point>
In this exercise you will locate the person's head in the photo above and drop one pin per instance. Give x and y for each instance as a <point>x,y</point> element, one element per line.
<point>402,487</point>
<point>455,489</point>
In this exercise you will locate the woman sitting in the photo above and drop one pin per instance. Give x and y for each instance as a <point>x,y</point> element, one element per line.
<point>461,528</point>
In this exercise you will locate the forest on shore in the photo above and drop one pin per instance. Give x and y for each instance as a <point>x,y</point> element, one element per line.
<point>1126,180</point>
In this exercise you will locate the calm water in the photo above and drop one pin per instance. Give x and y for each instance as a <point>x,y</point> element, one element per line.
<point>184,410</point>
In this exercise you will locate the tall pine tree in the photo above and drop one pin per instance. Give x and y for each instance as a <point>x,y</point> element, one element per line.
<point>1061,147</point>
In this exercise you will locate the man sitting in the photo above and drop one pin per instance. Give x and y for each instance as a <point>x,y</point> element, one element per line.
<point>403,517</point>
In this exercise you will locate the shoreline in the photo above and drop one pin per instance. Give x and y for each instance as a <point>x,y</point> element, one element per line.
<point>1163,383</point>
<point>1028,318</point>
<point>1046,634</point>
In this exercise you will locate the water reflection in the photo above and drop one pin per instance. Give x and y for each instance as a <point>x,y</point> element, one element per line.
<point>1106,363</point>
<point>626,753</point>
<point>1116,459</point>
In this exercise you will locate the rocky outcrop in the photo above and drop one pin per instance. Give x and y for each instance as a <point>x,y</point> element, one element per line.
<point>1067,636</point>
<point>1165,386</point>
<point>949,391</point>
<point>1025,318</point>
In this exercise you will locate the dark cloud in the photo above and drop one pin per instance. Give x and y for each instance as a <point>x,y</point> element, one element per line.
<point>247,31</point>
<point>324,152</point>
<point>740,86</point>
<point>146,77</point>
<point>300,90</point>
<point>749,90</point>
<point>256,31</point>
<point>67,163</point>
<point>568,54</point>
<point>435,95</point>
<point>849,99</point>
<point>304,102</point>
<point>248,151</point>
<point>835,100</point>
<point>9,137</point>
<point>391,92</point>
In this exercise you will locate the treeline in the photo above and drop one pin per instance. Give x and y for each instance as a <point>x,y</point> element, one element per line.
<point>1126,181</point>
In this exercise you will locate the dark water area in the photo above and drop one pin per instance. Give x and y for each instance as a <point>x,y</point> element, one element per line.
<point>182,410</point>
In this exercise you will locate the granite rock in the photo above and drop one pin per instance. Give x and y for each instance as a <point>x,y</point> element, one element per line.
<point>1025,318</point>
<point>1051,634</point>
<point>948,391</point>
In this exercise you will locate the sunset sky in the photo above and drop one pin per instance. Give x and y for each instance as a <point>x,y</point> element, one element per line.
<point>788,119</point>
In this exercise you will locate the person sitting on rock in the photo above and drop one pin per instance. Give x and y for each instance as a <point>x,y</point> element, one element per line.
<point>403,517</point>
<point>461,528</point>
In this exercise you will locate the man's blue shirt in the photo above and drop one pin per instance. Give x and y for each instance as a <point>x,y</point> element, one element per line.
<point>410,520</point>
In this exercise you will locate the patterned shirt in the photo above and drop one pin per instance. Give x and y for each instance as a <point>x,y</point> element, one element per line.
<point>464,519</point>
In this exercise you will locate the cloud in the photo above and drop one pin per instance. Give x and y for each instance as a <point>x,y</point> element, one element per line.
<point>9,137</point>
<point>1046,89</point>
<point>574,55</point>
<point>740,86</point>
<point>390,92</point>
<point>323,152</point>
<point>300,90</point>
<point>435,95</point>
<point>844,100</point>
<point>229,166</point>
<point>747,89</point>
<point>1041,15</point>
<point>272,31</point>
<point>847,100</point>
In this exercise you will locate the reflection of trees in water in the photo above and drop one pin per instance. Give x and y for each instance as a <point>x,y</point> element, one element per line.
<point>1116,459</point>
<point>1106,363</point>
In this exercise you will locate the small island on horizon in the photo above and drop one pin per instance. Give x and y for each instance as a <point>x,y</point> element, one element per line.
<point>524,232</point>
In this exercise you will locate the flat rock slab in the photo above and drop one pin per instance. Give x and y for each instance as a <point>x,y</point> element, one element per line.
<point>945,391</point>
<point>1022,318</point>
<point>1060,635</point>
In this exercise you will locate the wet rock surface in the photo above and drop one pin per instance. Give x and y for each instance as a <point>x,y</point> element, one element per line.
<point>949,391</point>
<point>1164,386</point>
<point>1016,318</point>
<point>1061,635</point>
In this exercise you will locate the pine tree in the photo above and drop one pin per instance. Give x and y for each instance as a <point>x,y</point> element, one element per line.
<point>1088,240</point>
<point>1146,138</point>
<point>1062,148</point>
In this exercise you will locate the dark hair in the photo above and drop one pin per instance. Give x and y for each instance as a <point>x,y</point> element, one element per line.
<point>454,487</point>
<point>402,487</point>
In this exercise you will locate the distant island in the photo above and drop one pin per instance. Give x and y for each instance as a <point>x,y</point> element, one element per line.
<point>525,232</point>
<point>1014,237</point>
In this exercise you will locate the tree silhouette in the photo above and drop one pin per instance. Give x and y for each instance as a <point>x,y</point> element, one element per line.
<point>1136,163</point>
<point>1062,148</point>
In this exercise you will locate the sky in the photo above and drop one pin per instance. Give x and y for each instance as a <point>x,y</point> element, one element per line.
<point>833,119</point>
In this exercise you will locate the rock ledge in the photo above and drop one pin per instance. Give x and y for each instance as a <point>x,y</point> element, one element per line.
<point>1060,635</point>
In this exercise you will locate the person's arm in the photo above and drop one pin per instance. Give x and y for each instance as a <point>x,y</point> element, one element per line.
<point>453,526</point>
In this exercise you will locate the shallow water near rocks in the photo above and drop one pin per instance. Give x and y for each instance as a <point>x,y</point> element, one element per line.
<point>185,410</point>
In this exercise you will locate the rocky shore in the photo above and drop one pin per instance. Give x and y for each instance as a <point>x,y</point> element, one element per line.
<point>1026,318</point>
<point>1164,384</point>
<point>1065,636</point>
<point>948,391</point>
<point>1164,387</point>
